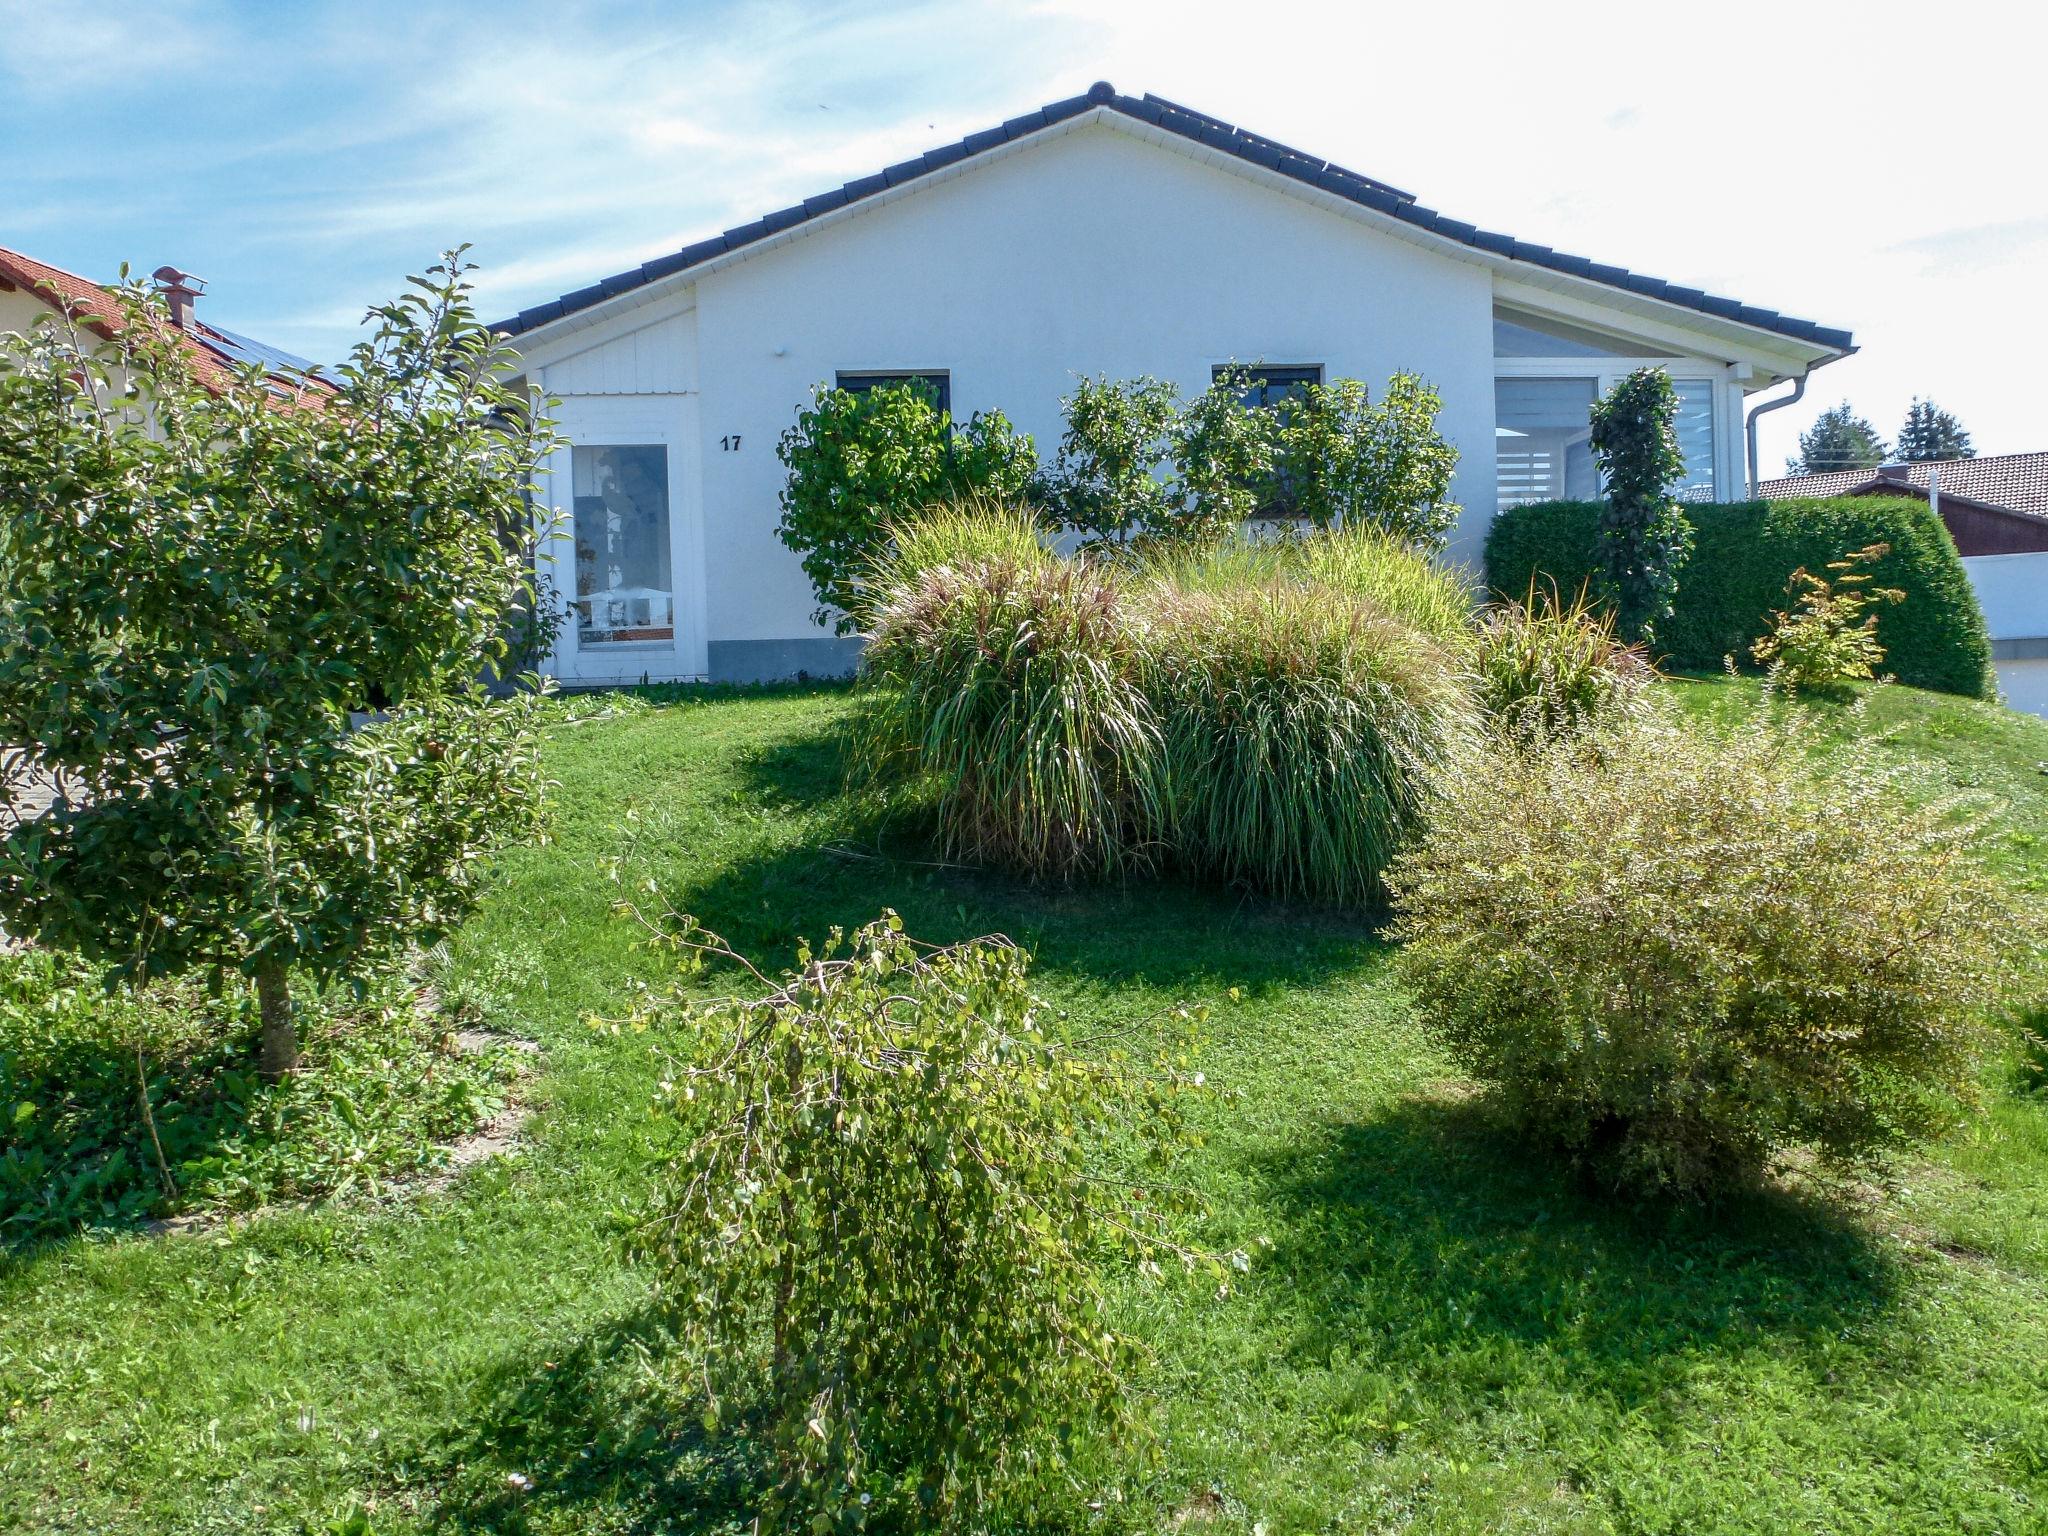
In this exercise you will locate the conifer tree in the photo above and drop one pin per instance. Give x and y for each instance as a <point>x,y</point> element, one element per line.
<point>1838,439</point>
<point>1932,434</point>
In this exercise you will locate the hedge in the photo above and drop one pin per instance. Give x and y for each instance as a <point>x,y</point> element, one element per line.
<point>1743,555</point>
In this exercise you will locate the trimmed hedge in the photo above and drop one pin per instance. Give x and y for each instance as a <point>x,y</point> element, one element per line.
<point>1743,555</point>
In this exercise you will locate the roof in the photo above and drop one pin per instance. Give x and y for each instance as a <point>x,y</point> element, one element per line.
<point>2012,482</point>
<point>1202,129</point>
<point>217,356</point>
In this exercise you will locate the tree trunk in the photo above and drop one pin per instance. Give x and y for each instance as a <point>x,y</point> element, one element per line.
<point>280,1050</point>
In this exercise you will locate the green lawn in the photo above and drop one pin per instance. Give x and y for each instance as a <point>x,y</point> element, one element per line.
<point>1446,1337</point>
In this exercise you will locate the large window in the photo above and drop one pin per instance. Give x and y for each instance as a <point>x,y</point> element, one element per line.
<point>937,383</point>
<point>624,589</point>
<point>1542,432</point>
<point>1696,438</point>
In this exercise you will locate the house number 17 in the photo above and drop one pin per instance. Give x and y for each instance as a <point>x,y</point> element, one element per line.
<point>730,442</point>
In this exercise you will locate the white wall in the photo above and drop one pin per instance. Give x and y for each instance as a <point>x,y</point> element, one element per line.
<point>2013,592</point>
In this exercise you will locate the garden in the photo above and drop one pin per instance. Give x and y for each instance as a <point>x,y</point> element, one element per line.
<point>1209,1032</point>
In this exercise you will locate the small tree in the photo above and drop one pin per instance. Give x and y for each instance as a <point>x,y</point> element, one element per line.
<point>1828,638</point>
<point>1643,534</point>
<point>1342,459</point>
<point>1838,439</point>
<point>1222,456</point>
<point>860,461</point>
<point>198,586</point>
<point>1109,478</point>
<point>1931,434</point>
<point>886,1225</point>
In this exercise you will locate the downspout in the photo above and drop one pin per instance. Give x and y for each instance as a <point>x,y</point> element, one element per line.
<point>1798,389</point>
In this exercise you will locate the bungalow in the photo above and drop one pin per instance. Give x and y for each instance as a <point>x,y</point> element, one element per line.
<point>1103,234</point>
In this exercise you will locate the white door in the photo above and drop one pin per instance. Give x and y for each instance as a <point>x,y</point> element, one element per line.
<point>627,566</point>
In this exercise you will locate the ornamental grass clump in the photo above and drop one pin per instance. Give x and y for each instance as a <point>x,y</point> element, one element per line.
<point>1305,714</point>
<point>881,1240</point>
<point>1004,680</point>
<point>1546,668</point>
<point>1676,955</point>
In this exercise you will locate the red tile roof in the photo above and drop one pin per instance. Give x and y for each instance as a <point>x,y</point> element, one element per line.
<point>216,361</point>
<point>2017,482</point>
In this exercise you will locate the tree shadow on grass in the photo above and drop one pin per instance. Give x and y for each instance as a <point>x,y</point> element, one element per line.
<point>588,1437</point>
<point>1436,1233</point>
<point>870,849</point>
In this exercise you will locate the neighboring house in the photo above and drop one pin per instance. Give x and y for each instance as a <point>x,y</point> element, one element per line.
<point>1996,509</point>
<point>1104,234</point>
<point>32,292</point>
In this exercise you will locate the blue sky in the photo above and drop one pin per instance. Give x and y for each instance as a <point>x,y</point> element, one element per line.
<point>304,157</point>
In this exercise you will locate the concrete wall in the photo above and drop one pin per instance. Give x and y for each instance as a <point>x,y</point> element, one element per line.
<point>2013,592</point>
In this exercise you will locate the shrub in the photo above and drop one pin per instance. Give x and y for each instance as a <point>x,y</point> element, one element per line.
<point>1006,681</point>
<point>1222,456</point>
<point>1547,668</point>
<point>1743,555</point>
<point>1643,537</point>
<point>1341,460</point>
<point>885,1227</point>
<point>1303,728</point>
<point>1676,954</point>
<point>1829,639</point>
<point>861,461</point>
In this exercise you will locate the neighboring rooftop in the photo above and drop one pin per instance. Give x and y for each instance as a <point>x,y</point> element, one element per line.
<point>217,355</point>
<point>2015,482</point>
<point>1215,133</point>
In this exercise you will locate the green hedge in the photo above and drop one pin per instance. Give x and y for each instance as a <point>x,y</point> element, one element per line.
<point>1744,553</point>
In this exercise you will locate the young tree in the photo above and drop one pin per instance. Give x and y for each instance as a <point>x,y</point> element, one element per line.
<point>1108,480</point>
<point>1644,537</point>
<point>1931,434</point>
<point>860,461</point>
<point>1344,460</point>
<point>198,586</point>
<point>1838,439</point>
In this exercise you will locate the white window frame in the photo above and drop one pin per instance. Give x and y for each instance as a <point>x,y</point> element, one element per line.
<point>1730,473</point>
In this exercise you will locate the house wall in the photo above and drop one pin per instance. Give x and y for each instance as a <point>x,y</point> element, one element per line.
<point>2013,592</point>
<point>19,311</point>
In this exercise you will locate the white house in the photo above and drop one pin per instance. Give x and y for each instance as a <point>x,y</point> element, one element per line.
<point>1104,234</point>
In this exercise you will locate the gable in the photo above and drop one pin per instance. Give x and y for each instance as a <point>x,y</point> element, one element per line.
<point>1797,344</point>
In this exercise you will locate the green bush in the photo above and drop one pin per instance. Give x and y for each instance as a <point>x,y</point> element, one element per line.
<point>1643,537</point>
<point>1743,555</point>
<point>861,461</point>
<point>1262,712</point>
<point>1547,668</point>
<point>880,1243</point>
<point>1005,680</point>
<point>1344,462</point>
<point>1676,954</point>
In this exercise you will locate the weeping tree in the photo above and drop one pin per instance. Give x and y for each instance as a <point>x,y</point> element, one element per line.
<point>200,583</point>
<point>1644,536</point>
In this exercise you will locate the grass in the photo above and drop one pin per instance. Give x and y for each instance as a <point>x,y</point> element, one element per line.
<point>1447,1337</point>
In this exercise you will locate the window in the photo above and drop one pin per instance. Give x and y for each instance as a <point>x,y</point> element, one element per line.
<point>936,381</point>
<point>624,590</point>
<point>1270,386</point>
<point>1542,447</point>
<point>1696,438</point>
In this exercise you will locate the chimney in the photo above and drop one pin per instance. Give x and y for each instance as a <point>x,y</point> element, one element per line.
<point>181,291</point>
<point>1895,474</point>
